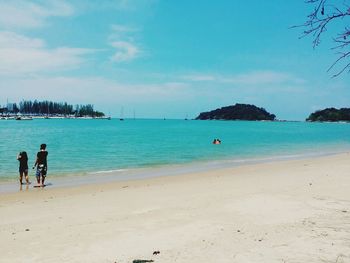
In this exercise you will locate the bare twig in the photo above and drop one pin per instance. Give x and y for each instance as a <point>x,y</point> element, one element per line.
<point>322,16</point>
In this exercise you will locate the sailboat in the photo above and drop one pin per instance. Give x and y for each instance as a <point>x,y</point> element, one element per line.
<point>48,113</point>
<point>121,114</point>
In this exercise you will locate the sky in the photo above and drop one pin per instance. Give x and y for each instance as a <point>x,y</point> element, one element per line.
<point>168,59</point>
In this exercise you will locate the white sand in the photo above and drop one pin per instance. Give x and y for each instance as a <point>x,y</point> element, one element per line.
<point>290,211</point>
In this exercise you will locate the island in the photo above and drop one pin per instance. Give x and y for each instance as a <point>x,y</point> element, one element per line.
<point>238,112</point>
<point>330,114</point>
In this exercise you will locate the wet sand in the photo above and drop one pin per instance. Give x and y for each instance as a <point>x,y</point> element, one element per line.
<point>283,211</point>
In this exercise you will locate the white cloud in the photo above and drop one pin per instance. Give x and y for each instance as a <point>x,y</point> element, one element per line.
<point>123,28</point>
<point>126,51</point>
<point>91,90</point>
<point>262,77</point>
<point>20,54</point>
<point>28,14</point>
<point>149,100</point>
<point>119,6</point>
<point>121,38</point>
<point>13,40</point>
<point>129,5</point>
<point>160,98</point>
<point>199,77</point>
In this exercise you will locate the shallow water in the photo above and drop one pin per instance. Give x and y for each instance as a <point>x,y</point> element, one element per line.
<point>82,147</point>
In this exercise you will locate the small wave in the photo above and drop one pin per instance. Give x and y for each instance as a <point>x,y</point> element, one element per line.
<point>108,171</point>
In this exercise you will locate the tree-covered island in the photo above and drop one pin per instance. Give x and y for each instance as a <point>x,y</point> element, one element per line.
<point>238,112</point>
<point>330,114</point>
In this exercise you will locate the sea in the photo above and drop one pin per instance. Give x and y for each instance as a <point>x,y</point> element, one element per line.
<point>93,147</point>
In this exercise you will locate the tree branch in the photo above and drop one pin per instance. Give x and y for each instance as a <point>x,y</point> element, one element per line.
<point>322,16</point>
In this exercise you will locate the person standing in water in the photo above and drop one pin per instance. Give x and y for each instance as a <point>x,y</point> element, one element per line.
<point>22,157</point>
<point>41,165</point>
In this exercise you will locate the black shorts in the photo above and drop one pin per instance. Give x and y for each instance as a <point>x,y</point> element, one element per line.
<point>23,170</point>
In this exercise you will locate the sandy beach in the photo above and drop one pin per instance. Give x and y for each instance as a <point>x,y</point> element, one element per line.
<point>282,211</point>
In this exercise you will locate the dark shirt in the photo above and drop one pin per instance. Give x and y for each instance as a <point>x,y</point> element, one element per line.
<point>23,162</point>
<point>42,157</point>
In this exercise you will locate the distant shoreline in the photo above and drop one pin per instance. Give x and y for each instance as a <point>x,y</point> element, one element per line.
<point>58,117</point>
<point>29,116</point>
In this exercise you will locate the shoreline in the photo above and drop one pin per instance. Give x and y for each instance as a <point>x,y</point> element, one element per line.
<point>144,173</point>
<point>287,211</point>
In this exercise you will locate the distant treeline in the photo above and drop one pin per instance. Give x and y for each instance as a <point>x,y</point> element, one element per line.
<point>330,114</point>
<point>237,112</point>
<point>51,108</point>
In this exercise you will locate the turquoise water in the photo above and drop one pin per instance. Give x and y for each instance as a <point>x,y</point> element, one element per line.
<point>85,146</point>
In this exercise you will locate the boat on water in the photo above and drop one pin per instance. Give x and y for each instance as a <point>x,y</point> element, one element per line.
<point>21,118</point>
<point>7,118</point>
<point>121,114</point>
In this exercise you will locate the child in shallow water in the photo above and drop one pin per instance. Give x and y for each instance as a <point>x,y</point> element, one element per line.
<point>22,157</point>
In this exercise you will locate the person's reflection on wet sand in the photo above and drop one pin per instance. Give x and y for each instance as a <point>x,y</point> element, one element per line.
<point>26,187</point>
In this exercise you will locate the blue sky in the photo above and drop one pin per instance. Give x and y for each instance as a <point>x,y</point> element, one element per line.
<point>163,58</point>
